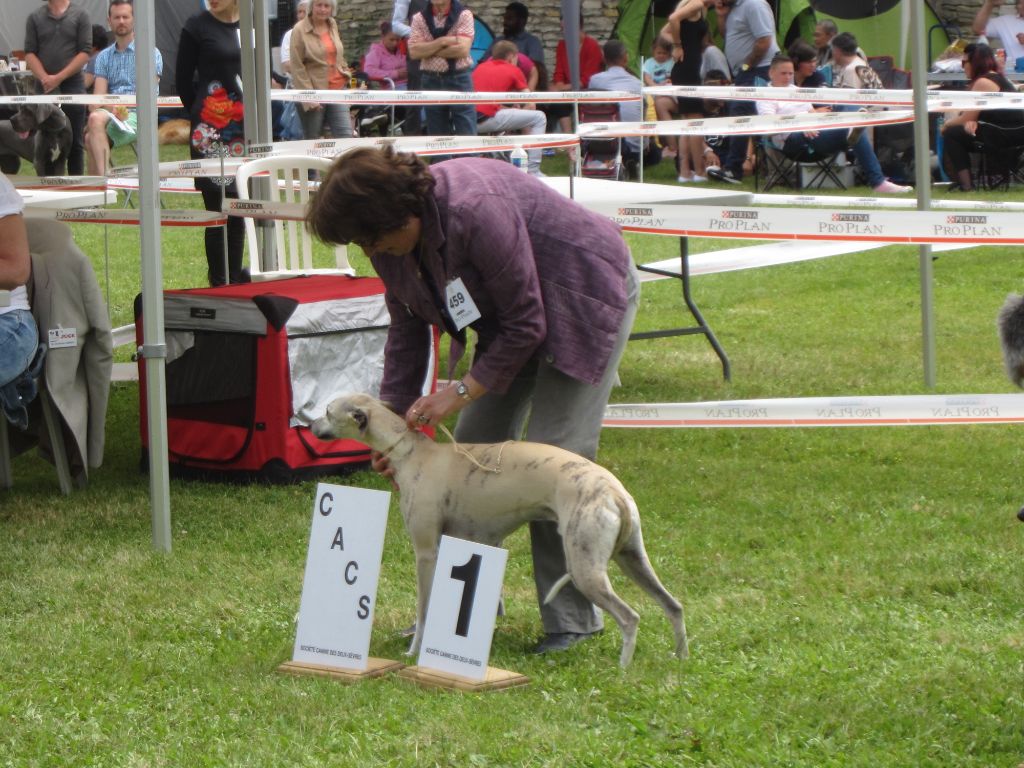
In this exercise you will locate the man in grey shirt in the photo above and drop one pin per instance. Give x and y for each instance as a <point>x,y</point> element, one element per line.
<point>58,42</point>
<point>749,48</point>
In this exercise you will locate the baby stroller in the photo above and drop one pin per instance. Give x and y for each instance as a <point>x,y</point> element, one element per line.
<point>602,158</point>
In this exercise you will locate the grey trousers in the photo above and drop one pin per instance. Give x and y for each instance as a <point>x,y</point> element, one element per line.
<point>543,405</point>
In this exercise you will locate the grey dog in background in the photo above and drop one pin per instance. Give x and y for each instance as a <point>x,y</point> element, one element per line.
<point>44,131</point>
<point>483,492</point>
<point>1011,334</point>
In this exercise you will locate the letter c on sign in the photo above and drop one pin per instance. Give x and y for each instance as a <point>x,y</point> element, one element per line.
<point>350,570</point>
<point>326,509</point>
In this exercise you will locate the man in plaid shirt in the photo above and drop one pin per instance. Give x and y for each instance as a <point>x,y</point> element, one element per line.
<point>115,73</point>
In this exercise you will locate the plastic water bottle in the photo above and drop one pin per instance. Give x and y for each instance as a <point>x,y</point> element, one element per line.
<point>519,158</point>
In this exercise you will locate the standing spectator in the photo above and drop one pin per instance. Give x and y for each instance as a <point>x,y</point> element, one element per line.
<point>617,77</point>
<point>514,30</point>
<point>824,31</point>
<point>501,74</point>
<point>591,62</point>
<point>209,77</point>
<point>318,63</point>
<point>749,48</point>
<point>58,42</point>
<point>19,337</point>
<point>441,39</point>
<point>687,27</point>
<point>115,73</point>
<point>301,10</point>
<point>400,19</point>
<point>1009,29</point>
<point>384,60</point>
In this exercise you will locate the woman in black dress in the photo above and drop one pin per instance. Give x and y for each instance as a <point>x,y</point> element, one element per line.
<point>208,75</point>
<point>687,25</point>
<point>960,134</point>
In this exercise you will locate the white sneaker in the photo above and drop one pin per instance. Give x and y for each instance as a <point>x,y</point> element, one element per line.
<point>698,179</point>
<point>684,179</point>
<point>888,188</point>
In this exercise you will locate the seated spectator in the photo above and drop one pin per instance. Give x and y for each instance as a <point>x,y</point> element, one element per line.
<point>970,128</point>
<point>805,66</point>
<point>715,146</point>
<point>100,40</point>
<point>590,64</point>
<point>384,60</point>
<point>617,77</point>
<point>850,68</point>
<point>529,45</point>
<point>500,74</point>
<point>822,143</point>
<point>824,31</point>
<point>711,57</point>
<point>115,73</point>
<point>657,71</point>
<point>19,338</point>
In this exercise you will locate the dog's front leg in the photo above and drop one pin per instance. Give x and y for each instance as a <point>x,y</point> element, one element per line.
<point>426,562</point>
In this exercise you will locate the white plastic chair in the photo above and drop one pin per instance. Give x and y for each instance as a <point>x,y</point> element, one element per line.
<point>288,178</point>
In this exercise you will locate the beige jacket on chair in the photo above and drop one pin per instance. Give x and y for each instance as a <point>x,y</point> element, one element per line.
<point>64,294</point>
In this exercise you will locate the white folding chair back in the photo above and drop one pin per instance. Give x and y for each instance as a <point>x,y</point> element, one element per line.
<point>288,180</point>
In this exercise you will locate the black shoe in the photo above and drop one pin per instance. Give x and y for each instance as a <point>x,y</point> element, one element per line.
<point>1020,515</point>
<point>718,174</point>
<point>560,641</point>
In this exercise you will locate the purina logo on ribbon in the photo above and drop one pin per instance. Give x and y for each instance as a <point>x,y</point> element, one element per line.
<point>727,214</point>
<point>636,212</point>
<point>962,219</point>
<point>851,217</point>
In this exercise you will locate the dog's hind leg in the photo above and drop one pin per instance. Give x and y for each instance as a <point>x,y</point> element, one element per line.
<point>633,560</point>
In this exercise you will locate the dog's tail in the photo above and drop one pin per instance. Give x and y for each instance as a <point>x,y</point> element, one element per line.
<point>557,588</point>
<point>1011,334</point>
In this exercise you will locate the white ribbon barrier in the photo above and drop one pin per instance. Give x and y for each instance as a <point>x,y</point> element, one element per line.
<point>399,98</point>
<point>938,101</point>
<point>107,99</point>
<point>64,183</point>
<point>168,218</point>
<point>179,185</point>
<point>264,209</point>
<point>330,148</point>
<point>898,227</point>
<point>884,202</point>
<point>882,411</point>
<point>748,125</point>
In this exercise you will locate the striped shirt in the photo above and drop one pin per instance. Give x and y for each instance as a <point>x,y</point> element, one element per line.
<point>438,65</point>
<point>118,68</point>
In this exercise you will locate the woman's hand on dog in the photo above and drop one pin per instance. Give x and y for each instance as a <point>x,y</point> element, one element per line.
<point>434,408</point>
<point>379,463</point>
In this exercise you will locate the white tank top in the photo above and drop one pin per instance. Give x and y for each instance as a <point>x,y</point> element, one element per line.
<point>11,204</point>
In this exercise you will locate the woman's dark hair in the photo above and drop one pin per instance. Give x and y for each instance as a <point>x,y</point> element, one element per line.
<point>368,193</point>
<point>982,59</point>
<point>801,52</point>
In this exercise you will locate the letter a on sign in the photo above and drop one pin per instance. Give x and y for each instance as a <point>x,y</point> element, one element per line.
<point>339,590</point>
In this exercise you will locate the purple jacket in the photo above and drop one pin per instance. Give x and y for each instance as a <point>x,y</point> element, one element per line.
<point>547,275</point>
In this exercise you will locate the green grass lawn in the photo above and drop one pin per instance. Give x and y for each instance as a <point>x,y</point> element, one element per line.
<point>853,596</point>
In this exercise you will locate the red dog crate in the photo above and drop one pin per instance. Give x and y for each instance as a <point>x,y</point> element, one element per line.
<point>250,366</point>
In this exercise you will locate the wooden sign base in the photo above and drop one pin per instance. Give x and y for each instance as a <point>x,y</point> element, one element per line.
<point>495,679</point>
<point>374,668</point>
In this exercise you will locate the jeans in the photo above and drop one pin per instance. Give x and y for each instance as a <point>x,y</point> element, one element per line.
<point>835,140</point>
<point>450,119</point>
<point>530,121</point>
<point>18,341</point>
<point>736,149</point>
<point>543,405</point>
<point>335,115</point>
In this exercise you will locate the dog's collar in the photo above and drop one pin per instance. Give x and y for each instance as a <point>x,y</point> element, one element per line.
<point>387,451</point>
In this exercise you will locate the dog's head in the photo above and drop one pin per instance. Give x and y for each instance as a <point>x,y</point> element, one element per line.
<point>31,118</point>
<point>347,417</point>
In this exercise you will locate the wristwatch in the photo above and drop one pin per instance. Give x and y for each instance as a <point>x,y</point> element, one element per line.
<point>462,390</point>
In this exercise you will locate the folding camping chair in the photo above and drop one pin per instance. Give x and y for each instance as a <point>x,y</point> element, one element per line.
<point>1000,155</point>
<point>289,180</point>
<point>808,170</point>
<point>602,158</point>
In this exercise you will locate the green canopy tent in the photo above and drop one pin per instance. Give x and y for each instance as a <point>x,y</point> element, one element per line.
<point>881,26</point>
